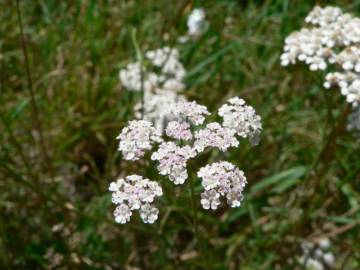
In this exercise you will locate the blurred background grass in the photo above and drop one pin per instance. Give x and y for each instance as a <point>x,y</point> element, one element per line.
<point>56,212</point>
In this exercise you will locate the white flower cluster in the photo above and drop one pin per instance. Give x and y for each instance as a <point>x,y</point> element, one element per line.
<point>238,119</point>
<point>135,193</point>
<point>161,80</point>
<point>179,130</point>
<point>214,135</point>
<point>136,138</point>
<point>221,179</point>
<point>172,160</point>
<point>190,138</point>
<point>317,257</point>
<point>335,40</point>
<point>242,118</point>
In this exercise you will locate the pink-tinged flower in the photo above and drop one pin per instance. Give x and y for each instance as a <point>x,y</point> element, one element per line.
<point>241,118</point>
<point>210,199</point>
<point>149,213</point>
<point>214,135</point>
<point>136,138</point>
<point>172,160</point>
<point>135,193</point>
<point>179,130</point>
<point>221,179</point>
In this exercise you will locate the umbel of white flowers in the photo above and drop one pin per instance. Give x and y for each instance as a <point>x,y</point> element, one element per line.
<point>176,147</point>
<point>334,40</point>
<point>161,80</point>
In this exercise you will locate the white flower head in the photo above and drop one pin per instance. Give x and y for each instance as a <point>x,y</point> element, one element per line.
<point>135,193</point>
<point>172,160</point>
<point>214,135</point>
<point>136,138</point>
<point>191,111</point>
<point>179,130</point>
<point>221,179</point>
<point>241,118</point>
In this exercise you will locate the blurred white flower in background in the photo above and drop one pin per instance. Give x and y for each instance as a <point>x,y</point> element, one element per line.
<point>317,256</point>
<point>169,76</point>
<point>196,22</point>
<point>161,80</point>
<point>157,107</point>
<point>334,39</point>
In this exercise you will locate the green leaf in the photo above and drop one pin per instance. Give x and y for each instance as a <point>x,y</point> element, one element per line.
<point>282,180</point>
<point>19,108</point>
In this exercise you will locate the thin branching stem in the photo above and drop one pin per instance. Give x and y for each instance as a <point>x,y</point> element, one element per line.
<point>31,90</point>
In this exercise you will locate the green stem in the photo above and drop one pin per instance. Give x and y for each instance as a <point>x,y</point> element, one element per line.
<point>140,59</point>
<point>193,204</point>
<point>197,233</point>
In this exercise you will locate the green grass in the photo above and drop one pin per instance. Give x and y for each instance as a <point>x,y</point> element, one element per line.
<point>75,51</point>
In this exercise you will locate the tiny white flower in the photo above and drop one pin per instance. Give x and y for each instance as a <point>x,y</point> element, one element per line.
<point>122,214</point>
<point>149,213</point>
